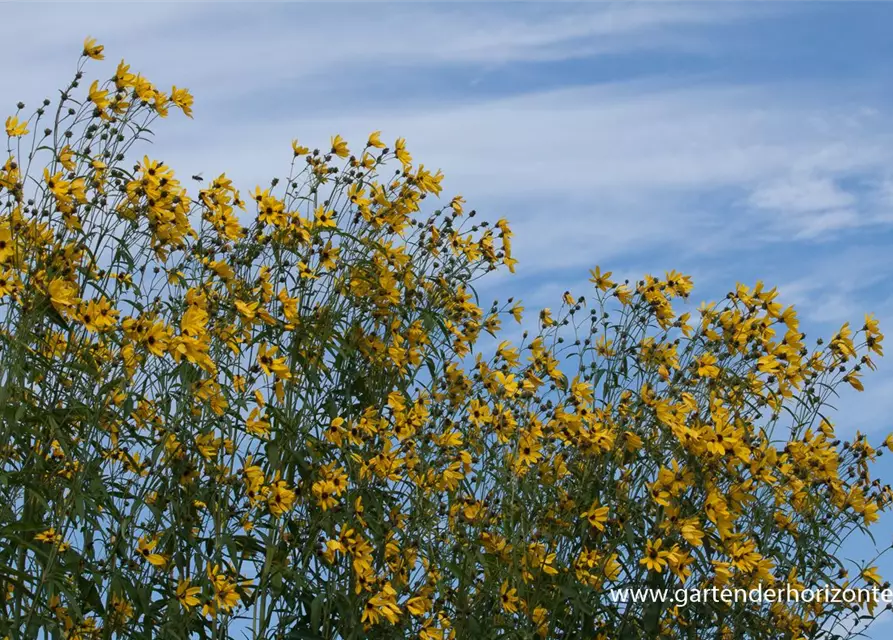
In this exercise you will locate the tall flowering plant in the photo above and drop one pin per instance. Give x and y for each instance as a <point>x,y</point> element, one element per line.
<point>265,415</point>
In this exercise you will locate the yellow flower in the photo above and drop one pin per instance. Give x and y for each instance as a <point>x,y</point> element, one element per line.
<point>182,99</point>
<point>624,294</point>
<point>528,451</point>
<point>540,618</point>
<point>49,536</point>
<point>707,366</point>
<point>16,129</point>
<point>339,147</point>
<point>7,246</point>
<point>66,158</point>
<point>257,424</point>
<point>226,596</point>
<point>375,140</point>
<point>871,575</point>
<point>418,605</point>
<point>281,498</point>
<point>146,549</point>
<point>655,558</point>
<point>186,594</point>
<point>247,310</point>
<point>324,217</point>
<point>92,49</point>
<point>97,315</point>
<point>97,96</point>
<point>328,256</point>
<point>123,78</point>
<point>193,321</point>
<point>299,149</point>
<point>853,379</point>
<point>597,516</point>
<point>63,294</point>
<point>506,383</point>
<point>600,280</point>
<point>305,271</point>
<point>9,283</point>
<point>603,347</point>
<point>121,610</point>
<point>508,598</point>
<point>401,153</point>
<point>326,494</point>
<point>546,317</point>
<point>516,312</point>
<point>335,431</point>
<point>692,533</point>
<point>271,365</point>
<point>382,605</point>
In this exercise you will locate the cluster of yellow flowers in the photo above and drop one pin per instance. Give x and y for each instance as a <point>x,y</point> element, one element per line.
<point>217,412</point>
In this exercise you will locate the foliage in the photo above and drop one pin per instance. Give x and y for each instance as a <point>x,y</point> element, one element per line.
<point>285,431</point>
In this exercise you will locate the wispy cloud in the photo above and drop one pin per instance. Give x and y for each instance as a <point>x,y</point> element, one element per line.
<point>599,171</point>
<point>234,49</point>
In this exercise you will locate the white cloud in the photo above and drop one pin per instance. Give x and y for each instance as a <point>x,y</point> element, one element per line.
<point>802,194</point>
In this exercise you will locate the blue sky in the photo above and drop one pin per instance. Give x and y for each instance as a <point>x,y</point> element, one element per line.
<point>734,142</point>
